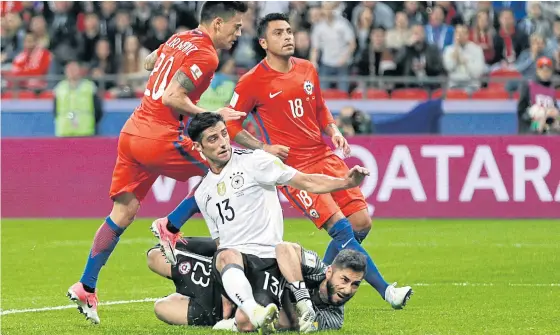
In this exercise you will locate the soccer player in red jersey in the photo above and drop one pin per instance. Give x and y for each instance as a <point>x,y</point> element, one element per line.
<point>152,142</point>
<point>284,94</point>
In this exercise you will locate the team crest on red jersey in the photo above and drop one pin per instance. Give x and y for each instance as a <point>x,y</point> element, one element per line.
<point>308,87</point>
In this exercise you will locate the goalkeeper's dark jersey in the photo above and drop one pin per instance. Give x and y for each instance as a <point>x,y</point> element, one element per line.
<point>314,272</point>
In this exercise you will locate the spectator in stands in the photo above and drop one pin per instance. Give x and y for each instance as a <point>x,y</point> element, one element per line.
<point>314,16</point>
<point>333,37</point>
<point>106,17</point>
<point>38,26</point>
<point>517,8</point>
<point>484,35</point>
<point>298,16</point>
<point>550,9</point>
<point>553,42</point>
<point>177,15</point>
<point>302,41</point>
<point>452,17</point>
<point>383,14</point>
<point>514,41</point>
<point>158,34</point>
<point>64,34</point>
<point>351,121</point>
<point>77,108</point>
<point>437,32</point>
<point>221,88</point>
<point>538,93</point>
<point>400,35</point>
<point>526,63</point>
<point>469,9</point>
<point>363,29</point>
<point>34,60</point>
<point>414,13</point>
<point>377,60</point>
<point>103,64</point>
<point>122,30</point>
<point>89,38</point>
<point>131,69</point>
<point>464,61</point>
<point>419,59</point>
<point>246,52</point>
<point>141,16</point>
<point>535,22</point>
<point>12,37</point>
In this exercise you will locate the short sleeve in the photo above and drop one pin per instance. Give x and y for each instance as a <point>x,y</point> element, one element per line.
<point>199,65</point>
<point>268,169</point>
<point>242,100</point>
<point>202,206</point>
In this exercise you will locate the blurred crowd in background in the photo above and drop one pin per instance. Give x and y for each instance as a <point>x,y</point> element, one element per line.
<point>379,39</point>
<point>376,47</point>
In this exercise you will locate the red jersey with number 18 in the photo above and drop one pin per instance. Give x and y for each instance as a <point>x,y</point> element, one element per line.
<point>191,52</point>
<point>288,107</point>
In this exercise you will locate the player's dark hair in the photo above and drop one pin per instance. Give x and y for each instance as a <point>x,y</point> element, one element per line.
<point>202,121</point>
<point>263,23</point>
<point>224,9</point>
<point>350,259</point>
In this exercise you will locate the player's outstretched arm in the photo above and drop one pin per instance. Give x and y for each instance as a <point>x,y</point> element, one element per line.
<point>176,95</point>
<point>320,183</point>
<point>249,141</point>
<point>150,61</point>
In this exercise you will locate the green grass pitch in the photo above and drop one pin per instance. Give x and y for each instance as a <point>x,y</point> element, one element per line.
<point>469,277</point>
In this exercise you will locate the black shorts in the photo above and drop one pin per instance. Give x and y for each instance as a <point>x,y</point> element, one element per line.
<point>263,274</point>
<point>193,278</point>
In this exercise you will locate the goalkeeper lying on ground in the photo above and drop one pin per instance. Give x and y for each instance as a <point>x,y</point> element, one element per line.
<point>318,292</point>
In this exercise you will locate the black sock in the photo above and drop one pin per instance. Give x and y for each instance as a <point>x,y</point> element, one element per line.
<point>172,229</point>
<point>89,289</point>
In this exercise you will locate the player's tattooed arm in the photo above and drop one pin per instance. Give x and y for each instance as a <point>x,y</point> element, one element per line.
<point>247,140</point>
<point>184,81</point>
<point>331,130</point>
<point>176,95</point>
<point>150,61</point>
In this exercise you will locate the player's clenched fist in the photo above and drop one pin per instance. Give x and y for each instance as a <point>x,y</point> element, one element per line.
<point>280,151</point>
<point>356,175</point>
<point>230,114</point>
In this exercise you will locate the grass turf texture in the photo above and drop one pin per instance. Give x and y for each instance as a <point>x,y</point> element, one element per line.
<point>511,271</point>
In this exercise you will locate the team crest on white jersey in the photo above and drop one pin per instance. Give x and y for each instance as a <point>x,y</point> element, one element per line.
<point>308,87</point>
<point>221,188</point>
<point>237,180</point>
<point>185,268</point>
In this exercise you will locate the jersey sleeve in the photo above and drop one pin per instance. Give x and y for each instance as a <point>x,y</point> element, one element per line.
<point>202,205</point>
<point>242,100</point>
<point>268,169</point>
<point>199,65</point>
<point>331,318</point>
<point>312,267</point>
<point>324,116</point>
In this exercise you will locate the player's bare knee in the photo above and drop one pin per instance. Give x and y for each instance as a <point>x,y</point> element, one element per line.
<point>172,309</point>
<point>156,263</point>
<point>360,221</point>
<point>125,208</point>
<point>228,256</point>
<point>243,322</point>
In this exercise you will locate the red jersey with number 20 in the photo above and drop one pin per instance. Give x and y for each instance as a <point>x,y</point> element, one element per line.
<point>288,107</point>
<point>191,52</point>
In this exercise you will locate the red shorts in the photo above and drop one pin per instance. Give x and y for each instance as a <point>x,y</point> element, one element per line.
<point>141,160</point>
<point>320,207</point>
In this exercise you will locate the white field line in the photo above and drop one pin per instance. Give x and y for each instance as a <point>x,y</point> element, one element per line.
<point>123,302</point>
<point>56,308</point>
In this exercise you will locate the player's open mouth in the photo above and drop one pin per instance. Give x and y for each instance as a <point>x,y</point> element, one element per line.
<point>288,46</point>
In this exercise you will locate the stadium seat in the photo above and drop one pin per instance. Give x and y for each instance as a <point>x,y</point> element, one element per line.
<point>372,93</point>
<point>410,94</point>
<point>515,96</point>
<point>503,75</point>
<point>557,94</point>
<point>490,94</point>
<point>46,95</point>
<point>450,94</point>
<point>23,95</point>
<point>334,94</point>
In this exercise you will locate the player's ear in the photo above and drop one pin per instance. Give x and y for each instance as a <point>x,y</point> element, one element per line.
<point>263,43</point>
<point>329,272</point>
<point>218,23</point>
<point>197,146</point>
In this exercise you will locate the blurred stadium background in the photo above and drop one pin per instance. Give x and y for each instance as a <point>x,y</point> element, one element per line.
<point>445,143</point>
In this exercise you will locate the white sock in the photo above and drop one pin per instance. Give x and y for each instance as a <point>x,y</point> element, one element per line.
<point>239,289</point>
